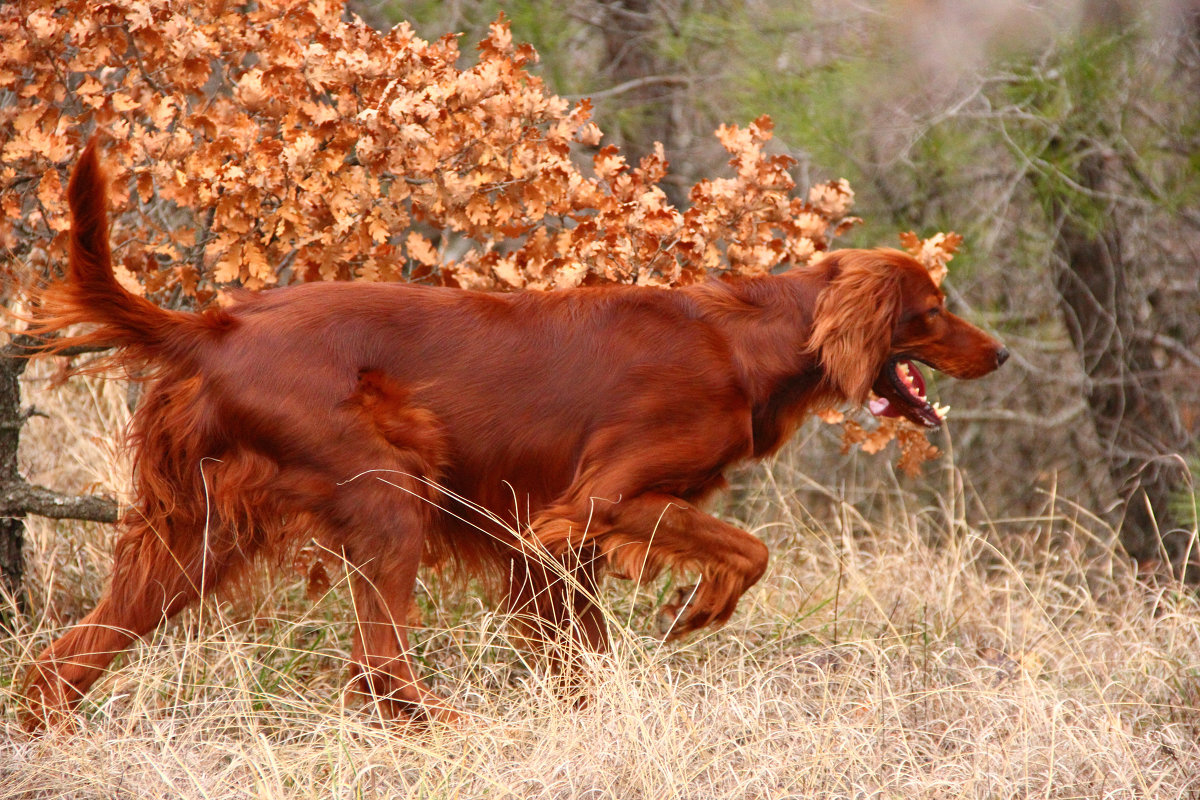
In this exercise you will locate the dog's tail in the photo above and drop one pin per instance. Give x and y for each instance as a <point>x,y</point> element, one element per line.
<point>91,293</point>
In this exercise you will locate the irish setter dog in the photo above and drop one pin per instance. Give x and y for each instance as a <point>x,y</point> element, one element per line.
<point>543,438</point>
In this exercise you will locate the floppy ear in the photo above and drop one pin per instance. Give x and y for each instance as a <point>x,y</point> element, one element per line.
<point>855,316</point>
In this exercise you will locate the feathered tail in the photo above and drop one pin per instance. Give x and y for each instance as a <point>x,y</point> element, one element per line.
<point>92,295</point>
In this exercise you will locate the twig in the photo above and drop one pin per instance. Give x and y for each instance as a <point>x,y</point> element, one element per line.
<point>629,86</point>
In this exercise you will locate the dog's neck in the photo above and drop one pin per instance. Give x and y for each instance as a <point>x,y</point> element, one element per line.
<point>766,321</point>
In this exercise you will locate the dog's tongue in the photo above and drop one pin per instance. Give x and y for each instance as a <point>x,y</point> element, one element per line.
<point>880,407</point>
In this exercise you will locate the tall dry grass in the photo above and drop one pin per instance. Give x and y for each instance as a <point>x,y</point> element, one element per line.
<point>897,647</point>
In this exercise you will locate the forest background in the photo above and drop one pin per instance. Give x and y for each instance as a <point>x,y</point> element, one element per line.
<point>1060,140</point>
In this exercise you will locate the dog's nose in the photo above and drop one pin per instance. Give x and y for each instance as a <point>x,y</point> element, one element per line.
<point>1001,356</point>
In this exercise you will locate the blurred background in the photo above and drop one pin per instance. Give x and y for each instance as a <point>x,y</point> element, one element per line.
<point>972,631</point>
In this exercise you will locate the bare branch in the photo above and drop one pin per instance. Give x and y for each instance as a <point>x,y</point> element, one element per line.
<point>1024,418</point>
<point>633,85</point>
<point>1173,346</point>
<point>20,499</point>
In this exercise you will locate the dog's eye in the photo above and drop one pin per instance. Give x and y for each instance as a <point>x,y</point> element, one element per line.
<point>933,312</point>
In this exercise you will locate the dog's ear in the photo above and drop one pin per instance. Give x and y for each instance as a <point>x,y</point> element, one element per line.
<point>853,322</point>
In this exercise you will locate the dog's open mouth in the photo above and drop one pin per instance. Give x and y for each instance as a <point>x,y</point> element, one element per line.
<point>901,393</point>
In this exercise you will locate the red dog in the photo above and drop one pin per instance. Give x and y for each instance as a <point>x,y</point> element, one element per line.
<point>391,421</point>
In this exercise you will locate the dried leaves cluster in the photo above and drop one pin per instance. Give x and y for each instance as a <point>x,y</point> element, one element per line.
<point>286,140</point>
<point>306,146</point>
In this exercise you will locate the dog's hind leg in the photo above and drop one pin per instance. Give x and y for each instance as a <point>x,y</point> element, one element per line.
<point>157,572</point>
<point>379,528</point>
<point>381,516</point>
<point>170,554</point>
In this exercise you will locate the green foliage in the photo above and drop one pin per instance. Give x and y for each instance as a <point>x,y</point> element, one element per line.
<point>1066,110</point>
<point>855,97</point>
<point>849,105</point>
<point>1185,505</point>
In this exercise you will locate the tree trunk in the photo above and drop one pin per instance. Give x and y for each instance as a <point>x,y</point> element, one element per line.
<point>631,31</point>
<point>1139,430</point>
<point>12,417</point>
<point>17,497</point>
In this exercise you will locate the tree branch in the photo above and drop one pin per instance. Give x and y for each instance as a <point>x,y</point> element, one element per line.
<point>1174,346</point>
<point>24,346</point>
<point>1063,417</point>
<point>17,500</point>
<point>631,85</point>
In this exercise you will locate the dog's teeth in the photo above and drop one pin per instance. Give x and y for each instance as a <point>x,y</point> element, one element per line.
<point>941,410</point>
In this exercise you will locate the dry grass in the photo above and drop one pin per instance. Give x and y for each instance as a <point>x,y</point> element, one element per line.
<point>902,651</point>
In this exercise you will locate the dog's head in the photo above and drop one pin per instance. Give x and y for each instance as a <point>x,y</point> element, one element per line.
<point>878,316</point>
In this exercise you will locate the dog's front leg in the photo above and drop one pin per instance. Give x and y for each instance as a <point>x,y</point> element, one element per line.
<point>638,537</point>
